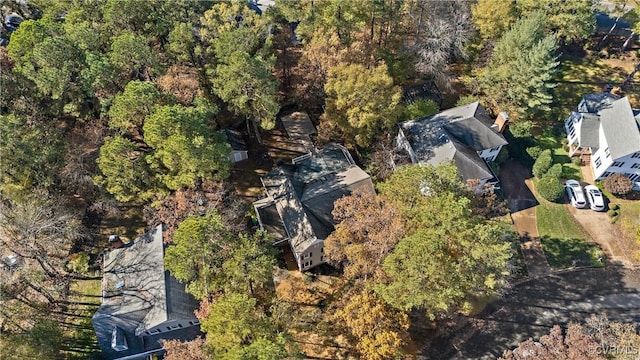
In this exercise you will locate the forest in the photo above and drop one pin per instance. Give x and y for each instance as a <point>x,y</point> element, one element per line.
<point>113,109</point>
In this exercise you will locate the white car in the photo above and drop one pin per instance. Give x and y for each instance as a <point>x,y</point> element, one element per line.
<point>576,196</point>
<point>596,200</point>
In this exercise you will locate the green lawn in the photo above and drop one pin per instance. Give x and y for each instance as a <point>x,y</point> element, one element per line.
<point>563,239</point>
<point>79,338</point>
<point>564,253</point>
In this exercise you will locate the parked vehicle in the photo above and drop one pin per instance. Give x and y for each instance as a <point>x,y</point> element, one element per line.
<point>596,200</point>
<point>575,193</point>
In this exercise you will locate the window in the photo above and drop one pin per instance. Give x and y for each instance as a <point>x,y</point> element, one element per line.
<point>598,162</point>
<point>633,177</point>
<point>306,264</point>
<point>636,155</point>
<point>322,258</point>
<point>322,250</point>
<point>606,174</point>
<point>606,152</point>
<point>310,254</point>
<point>495,149</point>
<point>635,166</point>
<point>617,164</point>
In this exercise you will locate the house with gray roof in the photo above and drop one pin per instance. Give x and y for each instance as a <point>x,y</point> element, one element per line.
<point>142,303</point>
<point>605,133</point>
<point>300,196</point>
<point>465,135</point>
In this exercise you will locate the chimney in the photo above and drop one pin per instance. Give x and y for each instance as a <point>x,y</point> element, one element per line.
<point>501,122</point>
<point>115,242</point>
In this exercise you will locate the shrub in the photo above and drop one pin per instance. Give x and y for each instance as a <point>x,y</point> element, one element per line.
<point>550,188</point>
<point>79,263</point>
<point>419,108</point>
<point>612,213</point>
<point>534,151</point>
<point>543,163</point>
<point>577,161</point>
<point>465,100</point>
<point>618,184</point>
<point>521,129</point>
<point>555,171</point>
<point>615,206</point>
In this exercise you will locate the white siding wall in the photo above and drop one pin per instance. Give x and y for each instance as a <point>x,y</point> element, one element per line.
<point>602,155</point>
<point>490,154</point>
<point>312,257</point>
<point>626,168</point>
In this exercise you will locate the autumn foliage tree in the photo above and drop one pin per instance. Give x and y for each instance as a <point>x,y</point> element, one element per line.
<point>368,229</point>
<point>361,102</point>
<point>377,330</point>
<point>618,184</point>
<point>574,344</point>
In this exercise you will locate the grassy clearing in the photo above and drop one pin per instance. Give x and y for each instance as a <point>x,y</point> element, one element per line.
<point>564,253</point>
<point>629,224</point>
<point>563,239</point>
<point>554,221</point>
<point>79,338</point>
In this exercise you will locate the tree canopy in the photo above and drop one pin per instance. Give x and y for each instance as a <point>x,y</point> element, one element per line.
<point>361,102</point>
<point>520,74</point>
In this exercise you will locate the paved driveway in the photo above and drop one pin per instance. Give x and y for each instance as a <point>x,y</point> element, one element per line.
<point>534,307</point>
<point>516,186</point>
<point>607,235</point>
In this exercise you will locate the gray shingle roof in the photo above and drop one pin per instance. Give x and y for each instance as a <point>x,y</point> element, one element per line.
<point>589,130</point>
<point>620,128</point>
<point>138,294</point>
<point>455,134</point>
<point>301,196</point>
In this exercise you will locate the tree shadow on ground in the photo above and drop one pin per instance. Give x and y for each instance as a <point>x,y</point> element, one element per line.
<point>565,253</point>
<point>533,307</point>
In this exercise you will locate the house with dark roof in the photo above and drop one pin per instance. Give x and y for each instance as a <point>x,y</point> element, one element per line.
<point>605,133</point>
<point>142,303</point>
<point>300,196</point>
<point>465,135</point>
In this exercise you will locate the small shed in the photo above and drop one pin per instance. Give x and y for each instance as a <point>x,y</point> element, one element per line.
<point>239,150</point>
<point>298,125</point>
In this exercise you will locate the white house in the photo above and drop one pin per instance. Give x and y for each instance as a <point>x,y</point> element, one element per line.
<point>465,134</point>
<point>605,132</point>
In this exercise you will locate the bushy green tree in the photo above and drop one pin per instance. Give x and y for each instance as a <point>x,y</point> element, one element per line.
<point>521,70</point>
<point>550,188</point>
<point>543,163</point>
<point>419,108</point>
<point>237,329</point>
<point>448,254</point>
<point>185,148</point>
<point>200,246</point>
<point>361,102</point>
<point>131,106</point>
<point>447,259</point>
<point>31,154</point>
<point>567,20</point>
<point>247,84</point>
<point>124,171</point>
<point>555,171</point>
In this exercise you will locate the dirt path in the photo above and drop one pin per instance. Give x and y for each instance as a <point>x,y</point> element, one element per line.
<point>517,187</point>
